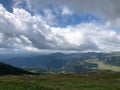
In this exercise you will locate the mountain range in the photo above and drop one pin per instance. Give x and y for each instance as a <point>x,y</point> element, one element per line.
<point>61,62</point>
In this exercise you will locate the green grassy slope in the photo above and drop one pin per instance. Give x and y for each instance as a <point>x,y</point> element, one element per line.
<point>91,81</point>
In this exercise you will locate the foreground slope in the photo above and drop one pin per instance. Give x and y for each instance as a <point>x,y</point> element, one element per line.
<point>6,69</point>
<point>88,81</point>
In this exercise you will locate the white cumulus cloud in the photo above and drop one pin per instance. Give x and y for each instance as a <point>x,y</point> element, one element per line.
<point>21,30</point>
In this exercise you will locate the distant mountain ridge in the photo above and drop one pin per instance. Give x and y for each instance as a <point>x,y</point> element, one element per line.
<point>75,62</point>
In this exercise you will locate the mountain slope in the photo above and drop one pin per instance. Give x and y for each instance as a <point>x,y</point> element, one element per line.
<point>6,69</point>
<point>57,62</point>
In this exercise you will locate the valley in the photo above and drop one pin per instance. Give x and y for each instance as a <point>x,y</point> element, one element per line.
<point>61,62</point>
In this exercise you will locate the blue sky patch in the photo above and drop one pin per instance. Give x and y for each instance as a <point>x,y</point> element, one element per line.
<point>74,19</point>
<point>7,4</point>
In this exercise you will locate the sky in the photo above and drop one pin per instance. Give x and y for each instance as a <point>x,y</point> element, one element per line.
<point>59,25</point>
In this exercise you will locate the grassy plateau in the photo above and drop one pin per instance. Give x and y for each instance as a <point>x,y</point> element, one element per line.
<point>86,81</point>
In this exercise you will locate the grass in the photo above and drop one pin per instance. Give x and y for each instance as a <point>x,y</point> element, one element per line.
<point>88,81</point>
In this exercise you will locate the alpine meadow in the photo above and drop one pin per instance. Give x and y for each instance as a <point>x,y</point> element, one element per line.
<point>59,45</point>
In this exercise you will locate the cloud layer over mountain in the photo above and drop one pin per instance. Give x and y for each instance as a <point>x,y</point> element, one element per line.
<point>36,27</point>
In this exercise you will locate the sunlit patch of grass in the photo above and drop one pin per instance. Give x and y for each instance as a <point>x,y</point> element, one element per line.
<point>103,66</point>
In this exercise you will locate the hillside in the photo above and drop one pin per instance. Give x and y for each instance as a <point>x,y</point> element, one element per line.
<point>6,69</point>
<point>87,81</point>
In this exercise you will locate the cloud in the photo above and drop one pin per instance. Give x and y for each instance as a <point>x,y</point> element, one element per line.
<point>21,30</point>
<point>107,9</point>
<point>66,11</point>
